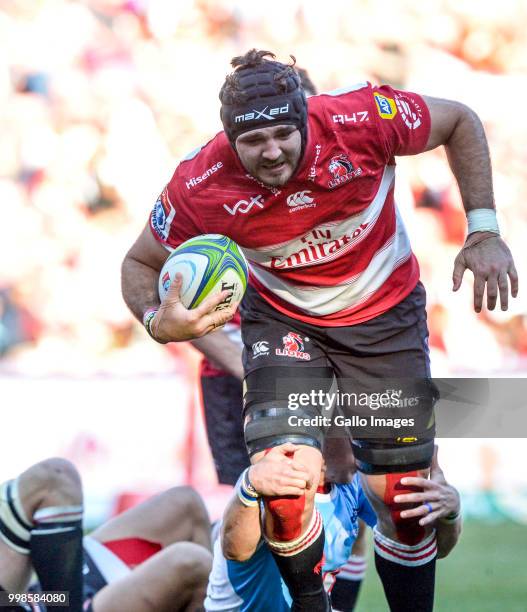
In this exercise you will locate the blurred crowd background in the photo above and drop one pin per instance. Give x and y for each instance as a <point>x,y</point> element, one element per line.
<point>101,98</point>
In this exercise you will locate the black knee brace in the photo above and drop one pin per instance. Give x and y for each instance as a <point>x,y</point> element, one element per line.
<point>393,450</point>
<point>269,417</point>
<point>384,457</point>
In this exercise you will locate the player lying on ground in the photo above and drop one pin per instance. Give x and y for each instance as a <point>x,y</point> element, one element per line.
<point>334,290</point>
<point>152,558</point>
<point>245,576</point>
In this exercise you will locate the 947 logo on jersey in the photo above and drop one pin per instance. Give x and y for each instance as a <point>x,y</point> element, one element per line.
<point>357,117</point>
<point>342,170</point>
<point>294,347</point>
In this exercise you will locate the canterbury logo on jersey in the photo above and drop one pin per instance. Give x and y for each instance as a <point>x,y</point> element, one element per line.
<point>299,198</point>
<point>244,206</point>
<point>262,114</point>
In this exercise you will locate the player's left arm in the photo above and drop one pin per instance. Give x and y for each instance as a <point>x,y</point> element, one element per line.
<point>460,130</point>
<point>439,506</point>
<point>221,351</point>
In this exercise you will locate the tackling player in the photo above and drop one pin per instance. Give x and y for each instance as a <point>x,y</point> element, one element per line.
<point>155,556</point>
<point>245,577</point>
<point>306,189</point>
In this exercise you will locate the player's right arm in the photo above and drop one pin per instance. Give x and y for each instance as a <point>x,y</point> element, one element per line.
<point>172,322</point>
<point>140,273</point>
<point>277,473</point>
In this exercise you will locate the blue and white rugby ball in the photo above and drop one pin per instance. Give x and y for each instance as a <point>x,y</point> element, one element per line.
<point>209,264</point>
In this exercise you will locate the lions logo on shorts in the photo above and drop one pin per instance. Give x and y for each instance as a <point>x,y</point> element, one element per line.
<point>293,347</point>
<point>293,342</point>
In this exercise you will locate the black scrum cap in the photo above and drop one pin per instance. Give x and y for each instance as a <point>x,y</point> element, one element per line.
<point>263,95</point>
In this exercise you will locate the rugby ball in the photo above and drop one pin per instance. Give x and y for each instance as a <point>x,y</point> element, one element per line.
<point>208,264</point>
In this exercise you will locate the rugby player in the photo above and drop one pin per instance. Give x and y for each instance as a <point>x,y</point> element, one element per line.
<point>221,379</point>
<point>244,575</point>
<point>306,189</point>
<point>155,556</point>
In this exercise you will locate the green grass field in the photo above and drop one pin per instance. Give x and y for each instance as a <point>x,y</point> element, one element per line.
<point>486,572</point>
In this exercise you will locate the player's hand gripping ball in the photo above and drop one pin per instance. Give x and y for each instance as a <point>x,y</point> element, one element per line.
<point>208,264</point>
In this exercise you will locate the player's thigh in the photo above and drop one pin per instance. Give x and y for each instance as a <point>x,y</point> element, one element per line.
<point>285,367</point>
<point>386,392</point>
<point>172,516</point>
<point>392,345</point>
<point>167,582</point>
<point>15,569</point>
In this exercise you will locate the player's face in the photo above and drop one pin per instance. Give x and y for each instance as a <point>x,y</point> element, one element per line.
<point>270,154</point>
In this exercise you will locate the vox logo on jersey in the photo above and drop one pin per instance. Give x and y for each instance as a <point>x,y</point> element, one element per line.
<point>244,206</point>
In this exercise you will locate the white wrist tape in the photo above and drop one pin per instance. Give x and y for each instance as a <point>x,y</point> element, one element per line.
<point>482,220</point>
<point>247,494</point>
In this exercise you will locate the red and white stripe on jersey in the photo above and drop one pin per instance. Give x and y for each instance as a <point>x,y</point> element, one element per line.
<point>329,247</point>
<point>403,554</point>
<point>341,288</point>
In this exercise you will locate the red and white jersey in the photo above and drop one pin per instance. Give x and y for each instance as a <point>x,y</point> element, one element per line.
<point>329,247</point>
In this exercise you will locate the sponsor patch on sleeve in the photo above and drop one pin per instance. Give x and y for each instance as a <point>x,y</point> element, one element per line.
<point>385,106</point>
<point>162,215</point>
<point>410,110</point>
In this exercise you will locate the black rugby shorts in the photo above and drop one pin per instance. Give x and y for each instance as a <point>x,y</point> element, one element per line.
<point>391,349</point>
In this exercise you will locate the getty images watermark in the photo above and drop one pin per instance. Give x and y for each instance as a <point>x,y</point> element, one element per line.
<point>329,401</point>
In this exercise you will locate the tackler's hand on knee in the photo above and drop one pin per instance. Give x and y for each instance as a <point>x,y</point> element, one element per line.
<point>279,473</point>
<point>438,499</point>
